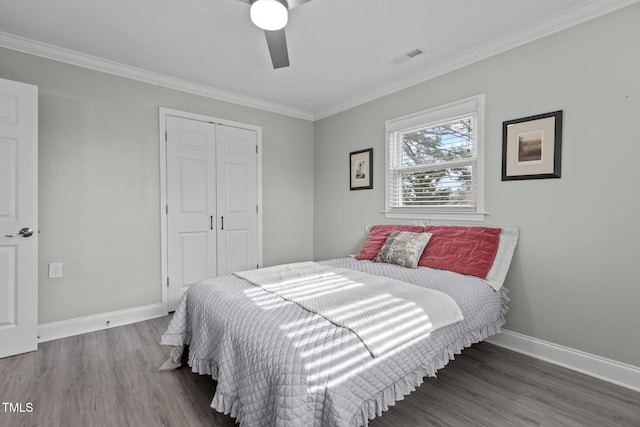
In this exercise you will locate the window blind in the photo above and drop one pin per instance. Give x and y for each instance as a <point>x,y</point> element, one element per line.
<point>434,166</point>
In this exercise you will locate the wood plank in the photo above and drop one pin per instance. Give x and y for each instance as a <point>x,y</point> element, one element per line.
<point>111,378</point>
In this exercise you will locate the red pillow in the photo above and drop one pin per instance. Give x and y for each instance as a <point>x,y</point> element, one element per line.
<point>466,250</point>
<point>378,235</point>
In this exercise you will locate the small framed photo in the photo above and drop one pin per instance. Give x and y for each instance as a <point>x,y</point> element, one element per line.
<point>361,169</point>
<point>532,147</point>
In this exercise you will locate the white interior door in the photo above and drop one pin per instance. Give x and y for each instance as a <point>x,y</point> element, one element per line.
<point>191,209</point>
<point>237,201</point>
<point>18,218</point>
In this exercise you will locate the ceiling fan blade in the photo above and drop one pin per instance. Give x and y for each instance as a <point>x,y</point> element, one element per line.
<point>289,3</point>
<point>277,43</point>
<point>295,3</point>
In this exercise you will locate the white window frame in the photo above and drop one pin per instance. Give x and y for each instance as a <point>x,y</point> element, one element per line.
<point>473,106</point>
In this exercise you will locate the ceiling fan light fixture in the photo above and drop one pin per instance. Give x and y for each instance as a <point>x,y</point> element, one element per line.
<point>269,15</point>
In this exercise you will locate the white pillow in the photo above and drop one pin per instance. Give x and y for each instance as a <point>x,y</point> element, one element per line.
<point>500,266</point>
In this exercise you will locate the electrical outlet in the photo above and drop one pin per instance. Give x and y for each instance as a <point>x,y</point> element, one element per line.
<point>55,270</point>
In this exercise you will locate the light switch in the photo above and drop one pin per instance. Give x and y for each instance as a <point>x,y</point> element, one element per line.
<point>55,270</point>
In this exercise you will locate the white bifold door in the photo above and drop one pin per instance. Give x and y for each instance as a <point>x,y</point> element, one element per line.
<point>18,218</point>
<point>212,202</point>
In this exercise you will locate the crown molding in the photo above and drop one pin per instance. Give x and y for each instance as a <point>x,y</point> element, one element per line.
<point>55,53</point>
<point>554,24</point>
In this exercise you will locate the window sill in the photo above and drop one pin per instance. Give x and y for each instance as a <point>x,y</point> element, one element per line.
<point>443,216</point>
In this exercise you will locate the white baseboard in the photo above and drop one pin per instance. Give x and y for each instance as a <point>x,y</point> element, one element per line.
<point>599,367</point>
<point>97,322</point>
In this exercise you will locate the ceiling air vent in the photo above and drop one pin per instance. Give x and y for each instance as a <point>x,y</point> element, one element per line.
<point>407,56</point>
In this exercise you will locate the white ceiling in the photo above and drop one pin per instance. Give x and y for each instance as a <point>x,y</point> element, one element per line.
<point>341,51</point>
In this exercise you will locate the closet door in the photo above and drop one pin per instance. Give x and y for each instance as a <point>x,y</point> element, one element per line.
<point>237,201</point>
<point>212,202</point>
<point>191,205</point>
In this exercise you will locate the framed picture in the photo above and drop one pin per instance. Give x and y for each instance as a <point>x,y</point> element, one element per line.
<point>361,169</point>
<point>532,147</point>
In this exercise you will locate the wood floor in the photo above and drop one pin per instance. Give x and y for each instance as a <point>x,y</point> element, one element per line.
<point>110,378</point>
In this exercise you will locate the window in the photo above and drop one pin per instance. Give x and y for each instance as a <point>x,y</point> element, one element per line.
<point>434,162</point>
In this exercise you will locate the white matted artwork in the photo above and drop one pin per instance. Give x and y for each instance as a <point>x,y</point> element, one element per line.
<point>361,169</point>
<point>532,147</point>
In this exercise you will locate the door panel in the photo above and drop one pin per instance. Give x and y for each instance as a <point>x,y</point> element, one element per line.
<point>8,285</point>
<point>237,176</point>
<point>18,210</point>
<point>9,188</point>
<point>237,199</point>
<point>239,246</point>
<point>193,186</point>
<point>195,256</point>
<point>191,204</point>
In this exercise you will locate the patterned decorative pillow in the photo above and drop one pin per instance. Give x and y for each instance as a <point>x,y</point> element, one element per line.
<point>403,248</point>
<point>378,235</point>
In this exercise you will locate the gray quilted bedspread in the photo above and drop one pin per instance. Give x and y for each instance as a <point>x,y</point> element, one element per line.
<point>277,364</point>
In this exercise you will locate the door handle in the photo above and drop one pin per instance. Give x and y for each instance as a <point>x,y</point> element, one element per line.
<point>25,232</point>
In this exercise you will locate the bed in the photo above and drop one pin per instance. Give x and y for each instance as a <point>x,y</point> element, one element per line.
<point>279,364</point>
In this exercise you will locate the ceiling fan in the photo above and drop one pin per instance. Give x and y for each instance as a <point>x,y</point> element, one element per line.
<point>272,16</point>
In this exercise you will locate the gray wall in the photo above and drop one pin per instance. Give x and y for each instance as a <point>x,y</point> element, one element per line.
<point>574,280</point>
<point>99,184</point>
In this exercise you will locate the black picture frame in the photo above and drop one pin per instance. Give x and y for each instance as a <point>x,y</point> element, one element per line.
<point>532,147</point>
<point>361,169</point>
